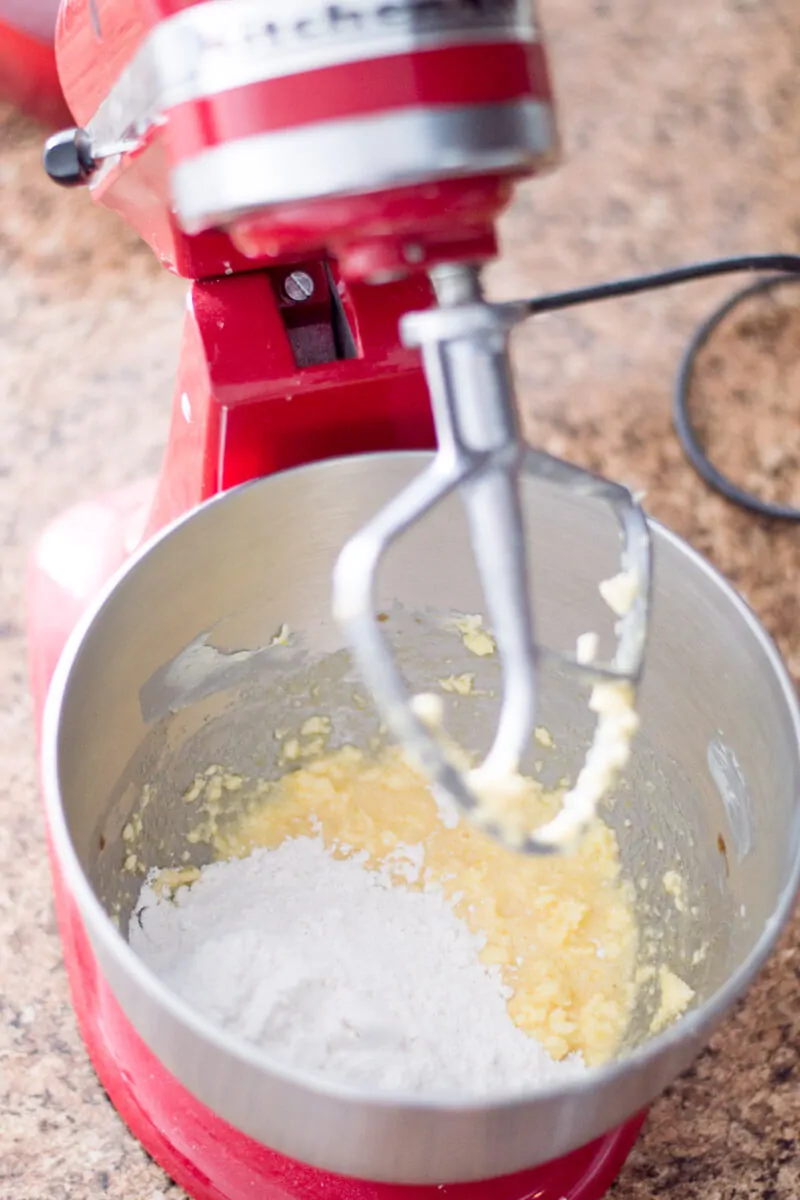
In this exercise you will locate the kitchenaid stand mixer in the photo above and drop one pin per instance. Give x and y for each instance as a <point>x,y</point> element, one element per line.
<point>320,174</point>
<point>343,149</point>
<point>400,128</point>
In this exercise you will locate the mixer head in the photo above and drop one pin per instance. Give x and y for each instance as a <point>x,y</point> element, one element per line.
<point>387,135</point>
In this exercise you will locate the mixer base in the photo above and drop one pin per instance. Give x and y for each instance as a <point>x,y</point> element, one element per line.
<point>209,1158</point>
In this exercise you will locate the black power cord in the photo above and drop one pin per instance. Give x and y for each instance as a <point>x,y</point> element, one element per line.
<point>788,266</point>
<point>681,411</point>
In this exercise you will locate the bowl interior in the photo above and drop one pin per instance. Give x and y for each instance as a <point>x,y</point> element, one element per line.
<point>179,670</point>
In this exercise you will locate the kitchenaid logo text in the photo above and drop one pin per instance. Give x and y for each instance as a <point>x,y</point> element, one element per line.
<point>319,24</point>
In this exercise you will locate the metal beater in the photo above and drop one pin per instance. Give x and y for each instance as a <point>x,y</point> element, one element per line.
<point>464,343</point>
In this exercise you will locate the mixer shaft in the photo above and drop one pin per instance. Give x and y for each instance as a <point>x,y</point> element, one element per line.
<point>465,354</point>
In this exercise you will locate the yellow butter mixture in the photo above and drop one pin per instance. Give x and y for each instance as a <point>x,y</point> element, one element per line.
<point>561,929</point>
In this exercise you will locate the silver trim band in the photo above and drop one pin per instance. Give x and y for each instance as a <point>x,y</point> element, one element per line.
<point>358,156</point>
<point>223,44</point>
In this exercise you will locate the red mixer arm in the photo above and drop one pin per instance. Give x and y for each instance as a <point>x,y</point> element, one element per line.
<point>262,385</point>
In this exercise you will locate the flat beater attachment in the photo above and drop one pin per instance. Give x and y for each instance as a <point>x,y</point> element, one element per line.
<point>464,344</point>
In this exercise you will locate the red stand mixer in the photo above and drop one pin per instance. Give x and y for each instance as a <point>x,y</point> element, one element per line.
<point>319,171</point>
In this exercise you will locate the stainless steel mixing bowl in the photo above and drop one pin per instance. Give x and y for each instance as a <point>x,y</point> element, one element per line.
<point>174,669</point>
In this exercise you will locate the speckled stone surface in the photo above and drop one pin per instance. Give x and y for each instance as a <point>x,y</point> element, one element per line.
<point>681,127</point>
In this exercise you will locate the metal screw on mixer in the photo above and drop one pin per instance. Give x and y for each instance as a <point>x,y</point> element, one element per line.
<point>298,287</point>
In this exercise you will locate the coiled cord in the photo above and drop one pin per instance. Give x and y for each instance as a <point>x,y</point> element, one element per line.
<point>788,268</point>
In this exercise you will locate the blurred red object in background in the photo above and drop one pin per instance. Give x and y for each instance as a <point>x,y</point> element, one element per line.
<point>28,76</point>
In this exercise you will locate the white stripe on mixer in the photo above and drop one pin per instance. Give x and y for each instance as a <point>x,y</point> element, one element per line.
<point>363,154</point>
<point>223,44</point>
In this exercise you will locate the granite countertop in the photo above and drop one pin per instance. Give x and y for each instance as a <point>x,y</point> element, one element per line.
<point>681,127</point>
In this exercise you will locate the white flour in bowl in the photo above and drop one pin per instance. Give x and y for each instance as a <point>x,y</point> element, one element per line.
<point>328,967</point>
